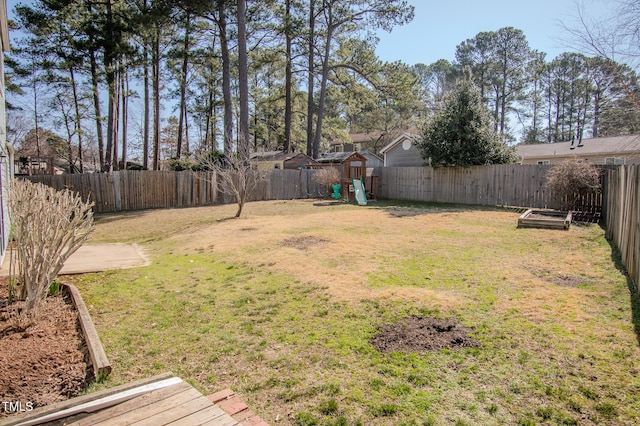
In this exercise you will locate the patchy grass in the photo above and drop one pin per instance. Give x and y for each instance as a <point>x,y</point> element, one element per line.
<point>234,303</point>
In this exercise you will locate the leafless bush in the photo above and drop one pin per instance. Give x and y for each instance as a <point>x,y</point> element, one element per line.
<point>233,177</point>
<point>47,227</point>
<point>573,179</point>
<point>327,176</point>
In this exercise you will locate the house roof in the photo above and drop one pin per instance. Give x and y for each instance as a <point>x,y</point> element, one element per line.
<point>370,155</point>
<point>276,156</point>
<point>371,136</point>
<point>397,141</point>
<point>358,137</point>
<point>596,146</point>
<point>340,157</point>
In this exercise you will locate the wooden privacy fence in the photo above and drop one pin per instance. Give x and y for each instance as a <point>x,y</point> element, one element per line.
<point>622,216</point>
<point>497,185</point>
<point>139,190</point>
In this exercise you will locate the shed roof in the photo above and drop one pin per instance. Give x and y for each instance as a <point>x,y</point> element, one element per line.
<point>277,156</point>
<point>629,144</point>
<point>341,157</point>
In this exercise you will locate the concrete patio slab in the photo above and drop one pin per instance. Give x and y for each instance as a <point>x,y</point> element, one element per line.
<point>98,258</point>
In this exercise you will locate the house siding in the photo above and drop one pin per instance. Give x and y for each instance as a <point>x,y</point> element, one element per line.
<point>599,159</point>
<point>399,157</point>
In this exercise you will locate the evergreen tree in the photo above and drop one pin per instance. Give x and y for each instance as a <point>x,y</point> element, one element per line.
<point>462,132</point>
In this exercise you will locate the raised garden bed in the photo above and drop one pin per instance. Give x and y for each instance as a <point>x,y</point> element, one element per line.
<point>48,357</point>
<point>548,219</point>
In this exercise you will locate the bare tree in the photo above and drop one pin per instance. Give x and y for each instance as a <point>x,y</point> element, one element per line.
<point>233,176</point>
<point>615,37</point>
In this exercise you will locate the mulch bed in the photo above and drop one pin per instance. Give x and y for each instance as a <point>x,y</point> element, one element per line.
<point>423,334</point>
<point>43,356</point>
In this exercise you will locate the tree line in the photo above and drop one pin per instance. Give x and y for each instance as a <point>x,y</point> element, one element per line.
<point>244,75</point>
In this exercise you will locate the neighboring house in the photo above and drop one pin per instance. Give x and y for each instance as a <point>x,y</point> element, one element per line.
<point>356,142</point>
<point>279,160</point>
<point>6,152</point>
<point>42,153</point>
<point>371,141</point>
<point>403,152</point>
<point>618,150</point>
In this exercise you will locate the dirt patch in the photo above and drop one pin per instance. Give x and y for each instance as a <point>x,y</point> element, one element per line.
<point>567,281</point>
<point>303,243</point>
<point>560,279</point>
<point>423,334</point>
<point>543,216</point>
<point>43,357</point>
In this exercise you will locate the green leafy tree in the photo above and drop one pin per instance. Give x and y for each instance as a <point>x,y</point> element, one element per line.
<point>340,20</point>
<point>462,132</point>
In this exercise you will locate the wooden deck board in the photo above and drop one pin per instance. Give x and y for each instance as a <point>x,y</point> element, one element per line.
<point>139,414</point>
<point>212,415</point>
<point>162,400</point>
<point>176,413</point>
<point>132,404</point>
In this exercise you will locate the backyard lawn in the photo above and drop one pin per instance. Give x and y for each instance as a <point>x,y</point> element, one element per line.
<point>282,306</point>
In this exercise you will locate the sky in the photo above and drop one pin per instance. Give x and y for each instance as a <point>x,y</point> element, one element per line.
<point>440,25</point>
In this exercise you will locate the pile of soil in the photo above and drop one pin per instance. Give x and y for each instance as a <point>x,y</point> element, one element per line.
<point>43,356</point>
<point>422,334</point>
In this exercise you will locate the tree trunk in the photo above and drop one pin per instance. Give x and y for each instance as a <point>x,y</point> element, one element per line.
<point>183,85</point>
<point>78,120</point>
<point>95,89</point>
<point>310,79</point>
<point>145,135</point>
<point>226,82</point>
<point>243,85</point>
<point>323,83</point>
<point>112,89</point>
<point>155,76</point>
<point>96,107</point>
<point>125,116</point>
<point>288,78</point>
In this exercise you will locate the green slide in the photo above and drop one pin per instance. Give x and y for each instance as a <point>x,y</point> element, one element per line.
<point>358,190</point>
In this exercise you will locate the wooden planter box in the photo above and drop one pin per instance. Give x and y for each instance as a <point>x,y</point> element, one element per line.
<point>549,219</point>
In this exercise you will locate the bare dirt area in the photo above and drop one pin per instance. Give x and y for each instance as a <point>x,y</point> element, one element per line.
<point>423,334</point>
<point>42,355</point>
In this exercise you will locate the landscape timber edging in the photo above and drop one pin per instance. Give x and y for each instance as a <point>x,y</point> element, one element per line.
<point>101,365</point>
